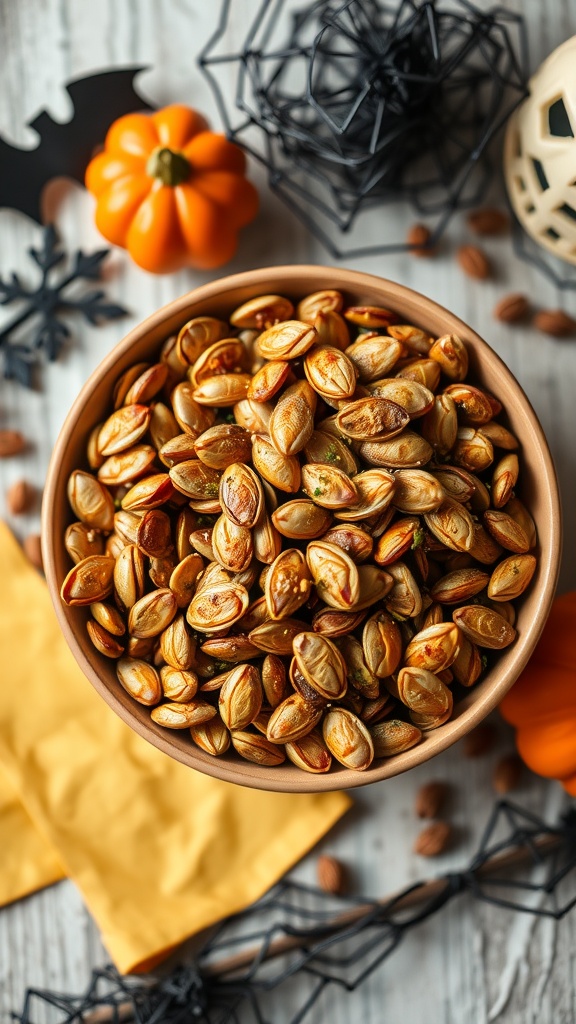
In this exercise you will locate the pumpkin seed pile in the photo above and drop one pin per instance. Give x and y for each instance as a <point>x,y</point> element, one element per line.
<point>306,523</point>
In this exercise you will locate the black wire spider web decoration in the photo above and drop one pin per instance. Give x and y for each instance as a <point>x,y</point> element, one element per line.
<point>244,973</point>
<point>356,104</point>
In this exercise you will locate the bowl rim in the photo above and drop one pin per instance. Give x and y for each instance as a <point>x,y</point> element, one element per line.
<point>244,772</point>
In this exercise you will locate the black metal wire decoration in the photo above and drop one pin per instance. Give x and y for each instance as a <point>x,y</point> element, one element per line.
<point>45,303</point>
<point>356,104</point>
<point>244,974</point>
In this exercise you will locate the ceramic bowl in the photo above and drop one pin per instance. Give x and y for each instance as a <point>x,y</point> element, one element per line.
<point>219,298</point>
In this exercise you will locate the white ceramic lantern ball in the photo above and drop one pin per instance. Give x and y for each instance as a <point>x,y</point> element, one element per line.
<point>540,155</point>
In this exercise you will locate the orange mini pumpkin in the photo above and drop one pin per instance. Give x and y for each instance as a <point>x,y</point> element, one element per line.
<point>170,191</point>
<point>542,703</point>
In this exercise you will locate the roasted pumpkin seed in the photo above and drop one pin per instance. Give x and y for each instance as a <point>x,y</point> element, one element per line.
<point>258,749</point>
<point>262,312</point>
<point>372,419</point>
<point>321,664</point>
<point>212,736</point>
<point>292,421</point>
<point>218,607</point>
<point>322,301</point>
<point>393,737</point>
<point>511,577</point>
<point>293,718</point>
<point>348,739</point>
<point>397,515</point>
<point>140,680</point>
<point>484,627</point>
<point>310,753</point>
<point>334,573</point>
<point>282,471</point>
<point>451,353</point>
<point>330,372</point>
<point>288,584</point>
<point>81,540</point>
<point>90,580</point>
<point>434,648</point>
<point>123,429</point>
<point>91,501</point>
<point>240,697</point>
<point>182,716</point>
<point>406,451</point>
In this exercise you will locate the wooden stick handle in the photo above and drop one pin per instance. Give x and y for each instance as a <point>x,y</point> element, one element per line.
<point>420,894</point>
<point>105,1014</point>
<point>415,897</point>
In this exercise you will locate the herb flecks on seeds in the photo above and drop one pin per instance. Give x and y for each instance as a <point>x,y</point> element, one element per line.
<point>392,565</point>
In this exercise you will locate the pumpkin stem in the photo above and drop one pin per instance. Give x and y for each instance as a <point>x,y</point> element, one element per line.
<point>170,167</point>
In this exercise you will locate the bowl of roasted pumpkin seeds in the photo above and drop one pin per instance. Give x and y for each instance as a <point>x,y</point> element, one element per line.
<point>301,529</point>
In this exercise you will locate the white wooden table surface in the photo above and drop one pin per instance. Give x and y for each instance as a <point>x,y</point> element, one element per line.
<point>472,963</point>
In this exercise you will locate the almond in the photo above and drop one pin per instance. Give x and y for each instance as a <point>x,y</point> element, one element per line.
<point>20,497</point>
<point>507,773</point>
<point>474,262</point>
<point>418,238</point>
<point>555,322</point>
<point>479,741</point>
<point>12,442</point>
<point>488,221</point>
<point>430,799</point>
<point>33,550</point>
<point>511,308</point>
<point>331,875</point>
<point>434,839</point>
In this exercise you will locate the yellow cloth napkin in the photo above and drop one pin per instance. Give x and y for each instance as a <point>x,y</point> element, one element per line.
<point>158,850</point>
<point>27,861</point>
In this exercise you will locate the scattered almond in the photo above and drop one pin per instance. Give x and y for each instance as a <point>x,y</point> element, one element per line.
<point>555,322</point>
<point>474,262</point>
<point>507,773</point>
<point>12,442</point>
<point>430,799</point>
<point>33,550</point>
<point>511,308</point>
<point>434,839</point>
<point>479,741</point>
<point>418,237</point>
<point>19,497</point>
<point>488,221</point>
<point>331,875</point>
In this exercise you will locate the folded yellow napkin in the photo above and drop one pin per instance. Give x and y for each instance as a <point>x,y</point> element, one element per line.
<point>158,850</point>
<point>27,861</point>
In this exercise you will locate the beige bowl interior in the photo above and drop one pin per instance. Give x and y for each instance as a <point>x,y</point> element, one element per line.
<point>539,491</point>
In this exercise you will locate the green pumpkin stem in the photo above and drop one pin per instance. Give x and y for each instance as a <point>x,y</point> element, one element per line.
<point>171,168</point>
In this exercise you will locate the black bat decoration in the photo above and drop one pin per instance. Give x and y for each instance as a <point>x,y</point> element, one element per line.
<point>65,149</point>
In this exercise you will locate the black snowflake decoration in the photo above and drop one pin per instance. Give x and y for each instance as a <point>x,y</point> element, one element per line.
<point>354,104</point>
<point>245,972</point>
<point>46,302</point>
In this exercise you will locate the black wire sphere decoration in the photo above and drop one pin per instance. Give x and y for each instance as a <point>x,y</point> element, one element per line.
<point>353,105</point>
<point>245,973</point>
<point>561,274</point>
